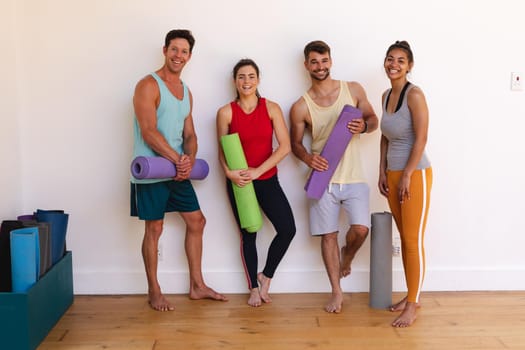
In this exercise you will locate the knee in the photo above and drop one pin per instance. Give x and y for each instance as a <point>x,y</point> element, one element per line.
<point>287,231</point>
<point>329,238</point>
<point>197,223</point>
<point>360,231</point>
<point>154,229</point>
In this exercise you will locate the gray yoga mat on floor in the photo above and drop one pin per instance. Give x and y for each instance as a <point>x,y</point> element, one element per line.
<point>381,261</point>
<point>44,239</point>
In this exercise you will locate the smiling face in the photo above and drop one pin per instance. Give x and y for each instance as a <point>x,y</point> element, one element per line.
<point>318,65</point>
<point>177,54</point>
<point>397,64</point>
<point>246,80</point>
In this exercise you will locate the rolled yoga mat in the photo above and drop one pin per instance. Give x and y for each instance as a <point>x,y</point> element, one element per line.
<point>44,238</point>
<point>247,205</point>
<point>25,258</point>
<point>381,261</point>
<point>6,284</point>
<point>26,217</point>
<point>161,168</point>
<point>57,220</point>
<point>333,150</point>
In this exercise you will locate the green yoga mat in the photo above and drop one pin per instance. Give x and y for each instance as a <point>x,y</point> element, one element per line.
<point>245,198</point>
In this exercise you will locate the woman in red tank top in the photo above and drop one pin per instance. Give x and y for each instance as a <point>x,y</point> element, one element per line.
<point>257,120</point>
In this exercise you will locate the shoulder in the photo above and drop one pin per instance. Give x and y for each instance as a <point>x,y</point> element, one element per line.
<point>273,108</point>
<point>355,87</point>
<point>147,90</point>
<point>225,111</point>
<point>147,83</point>
<point>299,105</point>
<point>415,90</point>
<point>415,94</point>
<point>384,94</point>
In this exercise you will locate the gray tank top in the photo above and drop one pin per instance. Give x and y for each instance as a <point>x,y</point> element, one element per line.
<point>397,127</point>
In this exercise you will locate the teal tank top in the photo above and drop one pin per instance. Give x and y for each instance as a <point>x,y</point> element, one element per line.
<point>171,114</point>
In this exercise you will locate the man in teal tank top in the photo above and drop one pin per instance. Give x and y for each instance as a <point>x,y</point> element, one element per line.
<point>163,126</point>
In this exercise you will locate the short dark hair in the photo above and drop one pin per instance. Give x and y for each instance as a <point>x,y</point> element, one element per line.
<point>316,46</point>
<point>403,45</point>
<point>180,33</point>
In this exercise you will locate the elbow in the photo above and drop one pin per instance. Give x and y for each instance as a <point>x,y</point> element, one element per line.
<point>294,149</point>
<point>373,123</point>
<point>286,149</point>
<point>148,137</point>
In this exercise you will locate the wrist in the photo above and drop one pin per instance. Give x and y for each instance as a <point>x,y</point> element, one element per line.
<point>365,128</point>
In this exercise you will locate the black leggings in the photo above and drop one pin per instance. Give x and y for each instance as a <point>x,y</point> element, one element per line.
<point>275,206</point>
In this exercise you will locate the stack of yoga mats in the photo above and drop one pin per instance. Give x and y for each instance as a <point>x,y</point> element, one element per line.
<point>247,205</point>
<point>333,150</point>
<point>161,168</point>
<point>29,247</point>
<point>33,294</point>
<point>27,317</point>
<point>381,261</point>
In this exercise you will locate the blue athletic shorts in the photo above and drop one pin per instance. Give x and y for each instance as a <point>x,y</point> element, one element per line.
<point>151,201</point>
<point>353,198</point>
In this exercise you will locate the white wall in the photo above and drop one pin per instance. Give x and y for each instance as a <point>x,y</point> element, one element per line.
<point>10,184</point>
<point>77,65</point>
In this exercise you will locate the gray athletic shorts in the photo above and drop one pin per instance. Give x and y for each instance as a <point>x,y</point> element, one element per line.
<point>353,198</point>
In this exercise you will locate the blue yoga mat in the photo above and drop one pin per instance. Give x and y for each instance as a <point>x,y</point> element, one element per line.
<point>25,258</point>
<point>7,226</point>
<point>58,227</point>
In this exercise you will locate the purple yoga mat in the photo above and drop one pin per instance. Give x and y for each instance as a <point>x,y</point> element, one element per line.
<point>333,150</point>
<point>160,168</point>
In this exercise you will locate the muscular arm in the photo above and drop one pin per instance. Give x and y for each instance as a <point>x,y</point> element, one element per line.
<point>189,136</point>
<point>299,121</point>
<point>361,100</point>
<point>145,101</point>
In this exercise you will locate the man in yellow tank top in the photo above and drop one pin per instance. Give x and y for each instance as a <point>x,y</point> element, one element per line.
<point>318,110</point>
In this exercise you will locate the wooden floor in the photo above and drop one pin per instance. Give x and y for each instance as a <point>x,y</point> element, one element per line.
<point>447,320</point>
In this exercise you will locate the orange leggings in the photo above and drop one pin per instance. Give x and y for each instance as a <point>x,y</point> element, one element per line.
<point>411,219</point>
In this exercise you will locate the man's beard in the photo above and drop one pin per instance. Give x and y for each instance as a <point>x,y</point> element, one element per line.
<point>314,76</point>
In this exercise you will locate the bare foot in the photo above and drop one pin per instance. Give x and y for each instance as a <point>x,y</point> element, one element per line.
<point>335,304</point>
<point>400,305</point>
<point>255,298</point>
<point>206,292</point>
<point>346,261</point>
<point>265,287</point>
<point>407,317</point>
<point>159,303</point>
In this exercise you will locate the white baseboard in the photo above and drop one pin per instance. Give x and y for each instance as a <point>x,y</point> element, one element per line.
<point>176,282</point>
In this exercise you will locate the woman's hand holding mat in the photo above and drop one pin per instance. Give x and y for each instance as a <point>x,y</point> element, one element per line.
<point>245,198</point>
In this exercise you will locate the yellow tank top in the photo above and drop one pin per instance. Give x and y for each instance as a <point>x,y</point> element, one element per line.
<point>349,169</point>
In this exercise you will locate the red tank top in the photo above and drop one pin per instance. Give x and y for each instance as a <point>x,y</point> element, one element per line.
<point>256,133</point>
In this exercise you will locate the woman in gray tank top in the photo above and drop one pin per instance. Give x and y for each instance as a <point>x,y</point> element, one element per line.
<point>405,174</point>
